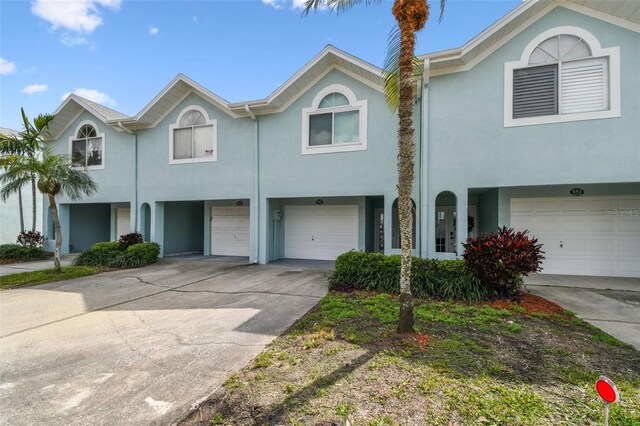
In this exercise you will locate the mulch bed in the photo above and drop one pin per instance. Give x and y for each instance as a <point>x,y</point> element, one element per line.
<point>531,303</point>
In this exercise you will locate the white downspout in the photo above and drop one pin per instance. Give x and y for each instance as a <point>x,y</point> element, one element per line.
<point>256,183</point>
<point>424,163</point>
<point>134,208</point>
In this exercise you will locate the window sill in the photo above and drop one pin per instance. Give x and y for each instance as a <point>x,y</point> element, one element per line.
<point>194,160</point>
<point>549,119</point>
<point>328,149</point>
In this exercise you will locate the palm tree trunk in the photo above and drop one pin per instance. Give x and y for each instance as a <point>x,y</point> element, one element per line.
<point>20,209</point>
<point>406,153</point>
<point>58,231</point>
<point>33,203</point>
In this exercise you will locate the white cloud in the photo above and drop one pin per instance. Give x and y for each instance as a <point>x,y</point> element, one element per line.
<point>71,40</point>
<point>299,4</point>
<point>81,16</point>
<point>153,30</point>
<point>35,88</point>
<point>6,67</point>
<point>93,95</point>
<point>277,4</point>
<point>293,4</point>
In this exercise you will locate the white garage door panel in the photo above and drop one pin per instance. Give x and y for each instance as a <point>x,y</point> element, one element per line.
<point>584,236</point>
<point>230,231</point>
<point>123,222</point>
<point>320,232</point>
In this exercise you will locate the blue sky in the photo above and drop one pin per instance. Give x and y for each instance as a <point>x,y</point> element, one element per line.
<point>121,53</point>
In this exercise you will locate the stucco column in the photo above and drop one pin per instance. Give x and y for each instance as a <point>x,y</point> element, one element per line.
<point>64,215</point>
<point>206,249</point>
<point>388,223</point>
<point>430,225</point>
<point>157,226</point>
<point>462,219</point>
<point>263,236</point>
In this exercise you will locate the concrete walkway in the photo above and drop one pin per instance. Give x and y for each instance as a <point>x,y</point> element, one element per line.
<point>612,304</point>
<point>140,346</point>
<point>14,268</point>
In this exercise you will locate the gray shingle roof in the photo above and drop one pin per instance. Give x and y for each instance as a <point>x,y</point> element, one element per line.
<point>8,132</point>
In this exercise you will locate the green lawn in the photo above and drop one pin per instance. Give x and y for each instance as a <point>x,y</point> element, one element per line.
<point>24,279</point>
<point>468,365</point>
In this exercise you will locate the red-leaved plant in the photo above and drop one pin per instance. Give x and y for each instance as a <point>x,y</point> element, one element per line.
<point>501,259</point>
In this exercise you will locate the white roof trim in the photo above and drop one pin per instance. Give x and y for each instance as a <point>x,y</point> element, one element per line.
<point>202,91</point>
<point>80,101</point>
<point>88,108</point>
<point>547,6</point>
<point>327,50</point>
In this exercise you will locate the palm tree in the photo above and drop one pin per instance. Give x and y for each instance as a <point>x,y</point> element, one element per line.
<point>411,17</point>
<point>28,143</point>
<point>55,174</point>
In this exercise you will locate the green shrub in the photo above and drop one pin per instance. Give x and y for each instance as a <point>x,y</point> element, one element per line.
<point>106,246</point>
<point>18,252</point>
<point>430,278</point>
<point>146,252</point>
<point>109,254</point>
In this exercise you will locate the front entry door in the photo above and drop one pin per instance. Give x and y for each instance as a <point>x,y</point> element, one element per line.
<point>445,229</point>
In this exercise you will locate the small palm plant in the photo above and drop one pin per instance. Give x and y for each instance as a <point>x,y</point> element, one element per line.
<point>58,175</point>
<point>26,143</point>
<point>55,174</point>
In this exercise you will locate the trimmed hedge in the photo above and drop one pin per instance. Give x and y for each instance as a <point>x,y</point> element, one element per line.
<point>430,278</point>
<point>111,254</point>
<point>25,253</point>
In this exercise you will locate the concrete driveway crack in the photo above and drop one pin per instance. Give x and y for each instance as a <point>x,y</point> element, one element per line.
<point>121,337</point>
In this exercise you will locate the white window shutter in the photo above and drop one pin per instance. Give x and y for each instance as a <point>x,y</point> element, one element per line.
<point>203,141</point>
<point>584,86</point>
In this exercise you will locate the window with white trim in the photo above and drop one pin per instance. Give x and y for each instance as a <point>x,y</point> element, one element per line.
<point>564,76</point>
<point>87,147</point>
<point>336,122</point>
<point>193,137</point>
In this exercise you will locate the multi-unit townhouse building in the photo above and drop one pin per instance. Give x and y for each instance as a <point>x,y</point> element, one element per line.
<point>534,124</point>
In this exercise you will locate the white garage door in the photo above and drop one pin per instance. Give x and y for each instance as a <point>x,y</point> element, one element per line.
<point>230,231</point>
<point>123,222</point>
<point>584,235</point>
<point>319,232</point>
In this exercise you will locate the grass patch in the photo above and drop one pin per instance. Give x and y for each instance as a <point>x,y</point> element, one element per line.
<point>469,364</point>
<point>25,279</point>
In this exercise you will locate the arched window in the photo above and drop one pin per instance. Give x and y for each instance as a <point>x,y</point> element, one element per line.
<point>563,75</point>
<point>395,225</point>
<point>193,137</point>
<point>87,146</point>
<point>335,122</point>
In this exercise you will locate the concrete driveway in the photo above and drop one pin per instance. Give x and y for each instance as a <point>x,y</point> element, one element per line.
<point>612,304</point>
<point>140,346</point>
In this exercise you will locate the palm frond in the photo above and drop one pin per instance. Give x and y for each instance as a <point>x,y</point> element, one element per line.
<point>42,122</point>
<point>12,184</point>
<point>391,69</point>
<point>442,5</point>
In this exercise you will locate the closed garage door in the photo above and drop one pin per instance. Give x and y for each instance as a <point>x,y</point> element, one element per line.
<point>123,222</point>
<point>584,235</point>
<point>230,231</point>
<point>319,232</point>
